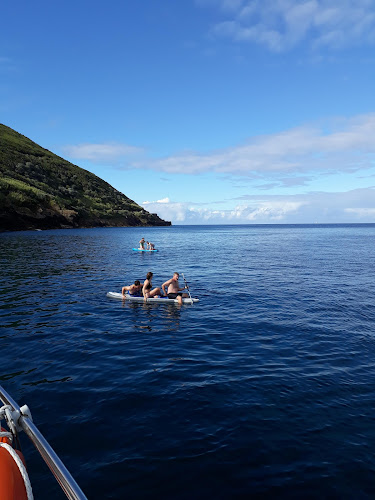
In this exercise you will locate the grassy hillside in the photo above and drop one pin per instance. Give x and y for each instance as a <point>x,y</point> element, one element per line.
<point>39,190</point>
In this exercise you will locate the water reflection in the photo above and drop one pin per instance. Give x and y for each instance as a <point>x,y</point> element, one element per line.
<point>154,317</point>
<point>46,381</point>
<point>9,376</point>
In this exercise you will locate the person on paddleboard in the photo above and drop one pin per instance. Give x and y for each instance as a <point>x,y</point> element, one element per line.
<point>147,289</point>
<point>174,291</point>
<point>150,246</point>
<point>133,290</point>
<point>142,244</point>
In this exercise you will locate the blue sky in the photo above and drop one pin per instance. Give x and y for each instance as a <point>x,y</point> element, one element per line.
<point>203,111</point>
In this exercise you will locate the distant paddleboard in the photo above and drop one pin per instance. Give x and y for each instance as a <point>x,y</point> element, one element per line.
<point>161,300</point>
<point>143,250</point>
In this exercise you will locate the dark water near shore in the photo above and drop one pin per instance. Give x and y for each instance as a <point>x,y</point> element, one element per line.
<point>266,388</point>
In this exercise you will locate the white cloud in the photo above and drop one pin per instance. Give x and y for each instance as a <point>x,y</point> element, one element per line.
<point>179,211</point>
<point>353,206</point>
<point>294,157</point>
<point>105,152</point>
<point>287,158</point>
<point>280,25</point>
<point>164,200</point>
<point>362,212</point>
<point>266,211</point>
<point>306,150</point>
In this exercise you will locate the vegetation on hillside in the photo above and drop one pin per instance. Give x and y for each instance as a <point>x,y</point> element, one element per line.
<point>38,189</point>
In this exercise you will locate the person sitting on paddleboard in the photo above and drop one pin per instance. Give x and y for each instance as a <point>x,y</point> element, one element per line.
<point>147,290</point>
<point>150,246</point>
<point>133,290</point>
<point>142,244</point>
<point>174,291</point>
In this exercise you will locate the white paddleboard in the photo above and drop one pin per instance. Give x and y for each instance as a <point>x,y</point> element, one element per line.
<point>162,300</point>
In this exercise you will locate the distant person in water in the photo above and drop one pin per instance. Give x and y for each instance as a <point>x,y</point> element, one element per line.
<point>150,246</point>
<point>142,244</point>
<point>147,290</point>
<point>174,291</point>
<point>133,290</point>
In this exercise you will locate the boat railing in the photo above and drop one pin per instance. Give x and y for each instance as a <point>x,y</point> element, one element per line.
<point>23,421</point>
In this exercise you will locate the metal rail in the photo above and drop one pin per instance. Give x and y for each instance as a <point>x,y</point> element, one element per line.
<point>58,469</point>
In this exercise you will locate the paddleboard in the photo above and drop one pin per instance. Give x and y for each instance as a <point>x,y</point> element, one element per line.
<point>143,250</point>
<point>161,300</point>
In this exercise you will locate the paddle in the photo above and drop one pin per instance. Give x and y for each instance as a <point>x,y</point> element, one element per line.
<point>187,286</point>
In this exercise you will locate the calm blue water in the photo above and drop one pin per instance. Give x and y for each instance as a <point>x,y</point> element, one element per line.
<point>266,388</point>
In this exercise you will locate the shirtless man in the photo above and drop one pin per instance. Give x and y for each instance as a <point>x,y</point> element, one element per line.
<point>133,290</point>
<point>174,291</point>
<point>142,244</point>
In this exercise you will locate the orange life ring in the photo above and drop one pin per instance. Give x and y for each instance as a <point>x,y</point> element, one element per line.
<point>12,486</point>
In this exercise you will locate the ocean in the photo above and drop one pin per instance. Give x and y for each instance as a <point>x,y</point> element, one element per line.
<point>263,389</point>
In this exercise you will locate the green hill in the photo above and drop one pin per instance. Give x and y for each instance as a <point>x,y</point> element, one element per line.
<point>39,190</point>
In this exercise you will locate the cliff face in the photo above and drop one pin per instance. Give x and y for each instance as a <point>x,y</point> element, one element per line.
<point>40,190</point>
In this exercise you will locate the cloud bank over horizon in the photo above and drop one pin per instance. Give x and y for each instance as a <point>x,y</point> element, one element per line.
<point>356,206</point>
